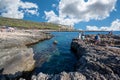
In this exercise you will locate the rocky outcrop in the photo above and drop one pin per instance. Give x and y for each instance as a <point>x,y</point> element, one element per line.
<point>61,76</point>
<point>15,56</point>
<point>98,62</point>
<point>69,76</point>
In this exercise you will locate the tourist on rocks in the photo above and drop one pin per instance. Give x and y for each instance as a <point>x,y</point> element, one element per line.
<point>7,28</point>
<point>97,39</point>
<point>110,33</point>
<point>81,36</point>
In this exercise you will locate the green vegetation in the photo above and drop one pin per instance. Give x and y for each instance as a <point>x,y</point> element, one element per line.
<point>18,23</point>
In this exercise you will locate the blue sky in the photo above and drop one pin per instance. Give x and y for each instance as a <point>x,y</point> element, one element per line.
<point>82,14</point>
<point>105,22</point>
<point>44,5</point>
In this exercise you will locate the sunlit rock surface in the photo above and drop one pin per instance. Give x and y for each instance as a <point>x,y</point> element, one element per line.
<point>15,56</point>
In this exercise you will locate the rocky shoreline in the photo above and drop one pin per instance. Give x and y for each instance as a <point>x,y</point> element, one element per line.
<point>95,62</point>
<point>98,62</point>
<point>15,55</point>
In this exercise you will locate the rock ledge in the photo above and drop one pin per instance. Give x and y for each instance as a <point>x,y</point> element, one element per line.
<point>15,56</point>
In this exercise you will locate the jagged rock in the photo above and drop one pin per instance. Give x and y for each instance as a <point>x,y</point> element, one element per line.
<point>97,62</point>
<point>42,76</point>
<point>61,76</point>
<point>21,79</point>
<point>34,77</point>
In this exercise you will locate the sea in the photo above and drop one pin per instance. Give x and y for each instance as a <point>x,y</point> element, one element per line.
<point>55,58</point>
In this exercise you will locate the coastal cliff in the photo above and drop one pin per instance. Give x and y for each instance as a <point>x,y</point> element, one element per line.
<point>15,55</point>
<point>98,62</point>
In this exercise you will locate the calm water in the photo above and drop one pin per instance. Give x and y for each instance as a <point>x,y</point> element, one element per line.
<point>57,58</point>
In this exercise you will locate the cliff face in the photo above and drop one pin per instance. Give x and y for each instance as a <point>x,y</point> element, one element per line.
<point>15,56</point>
<point>99,62</point>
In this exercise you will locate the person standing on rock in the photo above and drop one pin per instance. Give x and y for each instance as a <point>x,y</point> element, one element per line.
<point>110,33</point>
<point>83,36</point>
<point>97,39</point>
<point>79,36</point>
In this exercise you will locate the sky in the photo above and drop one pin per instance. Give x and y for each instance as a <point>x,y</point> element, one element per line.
<point>82,14</point>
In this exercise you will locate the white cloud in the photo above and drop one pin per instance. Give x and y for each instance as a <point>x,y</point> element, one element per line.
<point>92,28</point>
<point>115,26</point>
<point>54,5</point>
<point>33,12</point>
<point>52,17</point>
<point>75,11</point>
<point>17,8</point>
<point>27,5</point>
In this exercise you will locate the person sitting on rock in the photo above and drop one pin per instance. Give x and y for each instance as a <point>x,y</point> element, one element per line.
<point>97,39</point>
<point>110,33</point>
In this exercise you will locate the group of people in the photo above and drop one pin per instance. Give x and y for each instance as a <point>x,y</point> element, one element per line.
<point>81,36</point>
<point>96,38</point>
<point>7,29</point>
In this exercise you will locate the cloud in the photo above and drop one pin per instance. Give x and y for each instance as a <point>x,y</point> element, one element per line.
<point>79,10</point>
<point>54,5</point>
<point>115,26</point>
<point>17,8</point>
<point>52,17</point>
<point>92,28</point>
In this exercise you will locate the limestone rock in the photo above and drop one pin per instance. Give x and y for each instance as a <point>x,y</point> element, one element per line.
<point>61,76</point>
<point>15,56</point>
<point>97,62</point>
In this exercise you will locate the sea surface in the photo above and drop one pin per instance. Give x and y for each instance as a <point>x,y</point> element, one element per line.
<point>56,58</point>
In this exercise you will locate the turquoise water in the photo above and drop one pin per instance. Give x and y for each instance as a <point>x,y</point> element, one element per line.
<point>53,59</point>
<point>58,57</point>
